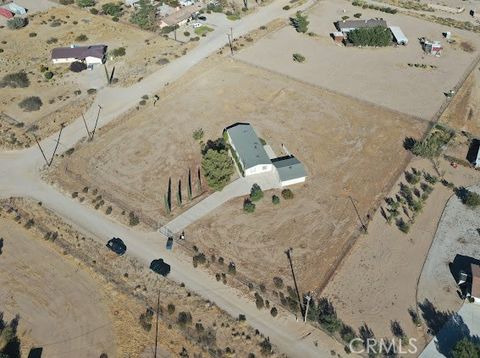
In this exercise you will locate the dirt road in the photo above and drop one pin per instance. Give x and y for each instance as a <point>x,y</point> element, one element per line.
<point>46,291</point>
<point>19,175</point>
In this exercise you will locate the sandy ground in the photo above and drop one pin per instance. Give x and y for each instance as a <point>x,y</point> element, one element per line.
<point>23,51</point>
<point>131,288</point>
<point>363,72</point>
<point>46,291</point>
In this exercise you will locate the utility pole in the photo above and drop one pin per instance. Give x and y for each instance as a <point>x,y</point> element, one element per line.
<point>231,33</point>
<point>86,127</point>
<point>230,43</point>
<point>96,121</point>
<point>41,150</point>
<point>156,326</point>
<point>364,227</point>
<point>308,298</point>
<point>288,252</point>
<point>56,145</point>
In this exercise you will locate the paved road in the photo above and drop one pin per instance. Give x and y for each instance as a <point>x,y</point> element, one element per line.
<point>20,176</point>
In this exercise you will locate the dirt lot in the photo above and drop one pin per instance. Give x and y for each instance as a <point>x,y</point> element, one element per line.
<point>378,75</point>
<point>47,291</point>
<point>340,140</point>
<point>129,288</point>
<point>29,48</point>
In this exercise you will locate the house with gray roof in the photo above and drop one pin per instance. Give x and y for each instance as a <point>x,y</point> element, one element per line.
<point>249,150</point>
<point>253,158</point>
<point>290,170</point>
<point>350,25</point>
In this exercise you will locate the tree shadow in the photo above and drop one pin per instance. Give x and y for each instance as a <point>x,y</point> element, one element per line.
<point>473,151</point>
<point>434,319</point>
<point>12,347</point>
<point>35,352</point>
<point>452,332</point>
<point>1,245</point>
<point>397,329</point>
<point>409,143</point>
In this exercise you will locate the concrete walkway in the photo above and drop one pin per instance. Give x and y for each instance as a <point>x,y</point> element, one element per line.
<point>464,324</point>
<point>239,187</point>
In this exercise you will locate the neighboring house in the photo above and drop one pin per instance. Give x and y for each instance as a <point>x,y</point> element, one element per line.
<point>16,9</point>
<point>290,170</point>
<point>249,150</point>
<point>181,16</point>
<point>398,35</point>
<point>90,55</point>
<point>131,2</point>
<point>6,13</point>
<point>165,10</point>
<point>350,25</point>
<point>475,288</point>
<point>186,2</point>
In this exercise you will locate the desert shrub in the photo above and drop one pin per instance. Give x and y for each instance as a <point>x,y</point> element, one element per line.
<point>278,282</point>
<point>91,91</point>
<point>298,57</point>
<point>171,308</point>
<point>81,38</point>
<point>232,269</point>
<point>357,15</point>
<point>30,104</point>
<point>259,301</point>
<point>286,7</point>
<point>52,40</point>
<point>266,347</point>
<point>66,2</point>
<point>248,206</point>
<point>133,219</point>
<point>373,36</point>
<point>186,34</point>
<point>16,23</point>
<point>300,22</point>
<point>327,316</point>
<point>93,11</point>
<point>112,9</point>
<point>287,194</point>
<point>48,75</point>
<point>78,67</point>
<point>198,134</point>
<point>242,318</point>
<point>347,333</point>
<point>56,23</point>
<point>403,226</point>
<point>118,52</point>
<point>14,80</point>
<point>469,198</point>
<point>274,312</point>
<point>32,34</point>
<point>184,319</point>
<point>85,3</point>
<point>146,319</point>
<point>275,200</point>
<point>199,259</point>
<point>109,210</point>
<point>466,348</point>
<point>256,192</point>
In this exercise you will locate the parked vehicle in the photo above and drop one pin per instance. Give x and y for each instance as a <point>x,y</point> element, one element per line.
<point>116,245</point>
<point>169,243</point>
<point>160,267</point>
<point>196,25</point>
<point>203,18</point>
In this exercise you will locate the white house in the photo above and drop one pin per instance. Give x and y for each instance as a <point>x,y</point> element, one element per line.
<point>90,55</point>
<point>248,148</point>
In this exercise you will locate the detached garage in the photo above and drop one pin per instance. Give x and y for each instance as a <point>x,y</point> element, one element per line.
<point>290,170</point>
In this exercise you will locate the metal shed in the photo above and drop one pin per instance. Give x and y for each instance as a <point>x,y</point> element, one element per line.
<point>6,13</point>
<point>398,35</point>
<point>16,9</point>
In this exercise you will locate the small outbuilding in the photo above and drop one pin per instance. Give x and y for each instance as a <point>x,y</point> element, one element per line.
<point>338,36</point>
<point>290,170</point>
<point>475,289</point>
<point>6,13</point>
<point>398,35</point>
<point>16,9</point>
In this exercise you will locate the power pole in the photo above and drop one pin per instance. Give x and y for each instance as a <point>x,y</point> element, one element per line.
<point>364,227</point>
<point>96,121</point>
<point>288,252</point>
<point>156,326</point>
<point>56,145</point>
<point>86,127</point>
<point>41,150</point>
<point>231,32</point>
<point>230,43</point>
<point>308,298</point>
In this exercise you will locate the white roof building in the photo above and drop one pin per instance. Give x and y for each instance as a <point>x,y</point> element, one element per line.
<point>398,35</point>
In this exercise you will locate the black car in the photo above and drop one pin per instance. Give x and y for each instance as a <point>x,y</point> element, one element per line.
<point>159,266</point>
<point>201,17</point>
<point>116,245</point>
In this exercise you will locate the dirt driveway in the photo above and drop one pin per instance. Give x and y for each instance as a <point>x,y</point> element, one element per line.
<point>60,307</point>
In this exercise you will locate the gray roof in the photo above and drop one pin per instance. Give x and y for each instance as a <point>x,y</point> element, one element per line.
<point>247,145</point>
<point>80,53</point>
<point>289,168</point>
<point>355,24</point>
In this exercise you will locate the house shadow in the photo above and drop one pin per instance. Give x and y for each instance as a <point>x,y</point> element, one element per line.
<point>35,352</point>
<point>463,264</point>
<point>473,151</point>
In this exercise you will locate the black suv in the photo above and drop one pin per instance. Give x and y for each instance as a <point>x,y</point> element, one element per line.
<point>160,267</point>
<point>116,245</point>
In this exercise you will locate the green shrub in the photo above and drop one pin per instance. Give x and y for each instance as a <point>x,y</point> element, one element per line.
<point>287,194</point>
<point>275,200</point>
<point>300,22</point>
<point>93,11</point>
<point>469,198</point>
<point>85,3</point>
<point>30,104</point>
<point>112,9</point>
<point>48,75</point>
<point>274,312</point>
<point>198,134</point>
<point>133,219</point>
<point>248,206</point>
<point>14,80</point>
<point>32,34</point>
<point>298,57</point>
<point>403,226</point>
<point>81,38</point>
<point>357,15</point>
<point>256,193</point>
<point>286,7</point>
<point>171,308</point>
<point>144,15</point>
<point>370,36</point>
<point>186,34</point>
<point>184,319</point>
<point>16,23</point>
<point>217,168</point>
<point>66,2</point>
